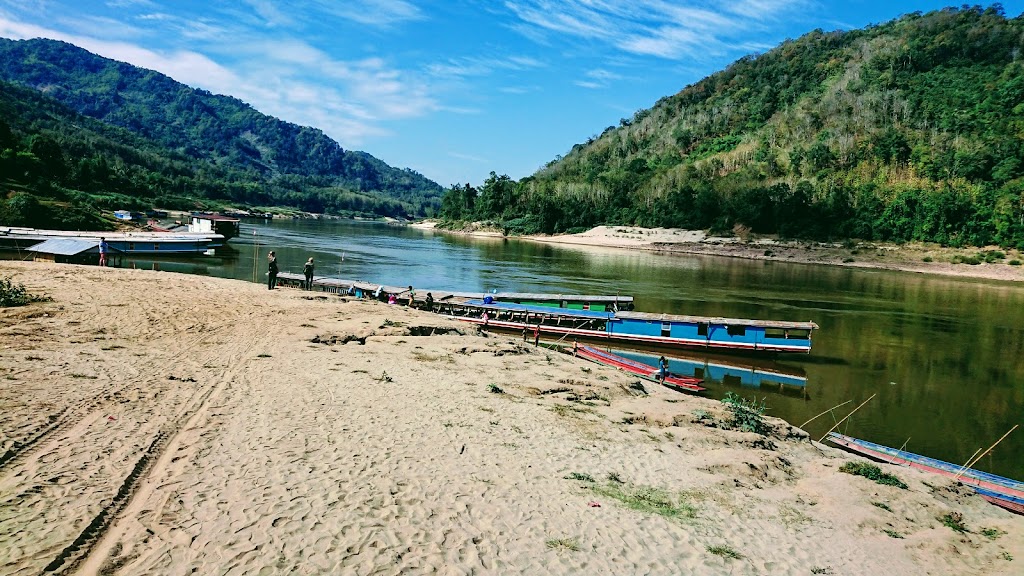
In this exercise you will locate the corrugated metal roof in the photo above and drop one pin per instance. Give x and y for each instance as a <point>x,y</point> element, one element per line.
<point>64,246</point>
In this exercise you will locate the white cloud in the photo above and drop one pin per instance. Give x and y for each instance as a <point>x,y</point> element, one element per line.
<point>651,27</point>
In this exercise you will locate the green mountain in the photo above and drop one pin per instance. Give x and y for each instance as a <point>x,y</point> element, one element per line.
<point>910,130</point>
<point>122,135</point>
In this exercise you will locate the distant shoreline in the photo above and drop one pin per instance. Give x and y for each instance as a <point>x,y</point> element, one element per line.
<point>912,257</point>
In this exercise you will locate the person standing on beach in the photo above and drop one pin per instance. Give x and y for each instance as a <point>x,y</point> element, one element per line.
<point>536,335</point>
<point>104,248</point>
<point>412,297</point>
<point>271,270</point>
<point>429,306</point>
<point>307,269</point>
<point>662,368</point>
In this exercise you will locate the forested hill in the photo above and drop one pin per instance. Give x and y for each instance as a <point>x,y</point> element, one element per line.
<point>237,154</point>
<point>910,130</point>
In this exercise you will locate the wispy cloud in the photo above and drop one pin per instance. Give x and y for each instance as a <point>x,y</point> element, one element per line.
<point>372,12</point>
<point>651,27</point>
<point>481,66</point>
<point>599,78</point>
<point>469,157</point>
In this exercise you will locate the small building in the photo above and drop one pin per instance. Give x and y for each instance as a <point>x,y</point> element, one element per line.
<point>127,215</point>
<point>214,223</point>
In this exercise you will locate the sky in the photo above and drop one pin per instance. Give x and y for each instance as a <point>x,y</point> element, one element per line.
<point>453,89</point>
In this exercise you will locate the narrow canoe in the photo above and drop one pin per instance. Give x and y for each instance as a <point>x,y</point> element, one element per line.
<point>683,383</point>
<point>1001,491</point>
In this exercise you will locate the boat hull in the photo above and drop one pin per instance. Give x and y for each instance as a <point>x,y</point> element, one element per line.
<point>681,383</point>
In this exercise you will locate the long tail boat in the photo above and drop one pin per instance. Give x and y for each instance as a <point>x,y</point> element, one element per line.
<point>600,319</point>
<point>1003,492</point>
<point>683,383</point>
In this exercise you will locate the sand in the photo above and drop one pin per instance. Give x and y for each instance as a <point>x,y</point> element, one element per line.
<point>155,423</point>
<point>911,257</point>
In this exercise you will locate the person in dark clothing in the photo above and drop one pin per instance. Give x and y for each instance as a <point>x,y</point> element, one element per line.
<point>662,368</point>
<point>307,269</point>
<point>271,270</point>
<point>429,305</point>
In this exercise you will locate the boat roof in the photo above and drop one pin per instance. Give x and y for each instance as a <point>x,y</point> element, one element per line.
<point>64,246</point>
<point>534,309</point>
<point>716,320</point>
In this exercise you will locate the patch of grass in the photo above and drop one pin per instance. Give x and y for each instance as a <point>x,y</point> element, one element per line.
<point>517,429</point>
<point>614,477</point>
<point>86,376</point>
<point>992,533</point>
<point>893,534</point>
<point>263,356</point>
<point>927,259</point>
<point>847,260</point>
<point>882,505</point>
<point>747,415</point>
<point>821,570</point>
<point>563,544</point>
<point>1014,262</point>
<point>494,389</point>
<point>582,477</point>
<point>725,551</point>
<point>1006,556</point>
<point>647,499</point>
<point>872,472</point>
<point>954,521</point>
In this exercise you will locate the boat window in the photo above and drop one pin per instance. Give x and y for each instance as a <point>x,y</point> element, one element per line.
<point>156,246</point>
<point>776,333</point>
<point>736,330</point>
<point>799,334</point>
<point>131,246</point>
<point>698,372</point>
<point>702,329</point>
<point>666,329</point>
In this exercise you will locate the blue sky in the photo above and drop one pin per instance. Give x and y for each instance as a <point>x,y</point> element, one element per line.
<point>451,88</point>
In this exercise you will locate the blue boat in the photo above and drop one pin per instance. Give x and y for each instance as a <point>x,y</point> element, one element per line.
<point>640,328</point>
<point>761,374</point>
<point>600,319</point>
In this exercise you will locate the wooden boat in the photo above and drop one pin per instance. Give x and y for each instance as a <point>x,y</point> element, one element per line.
<point>600,319</point>
<point>641,328</point>
<point>683,383</point>
<point>1003,492</point>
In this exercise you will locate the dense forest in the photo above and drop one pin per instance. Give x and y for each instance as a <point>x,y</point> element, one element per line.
<point>80,133</point>
<point>910,130</point>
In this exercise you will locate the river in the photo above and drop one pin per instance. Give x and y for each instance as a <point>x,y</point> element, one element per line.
<point>943,355</point>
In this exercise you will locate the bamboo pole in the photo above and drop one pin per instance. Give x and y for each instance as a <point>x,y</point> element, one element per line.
<point>964,467</point>
<point>847,416</point>
<point>825,412</point>
<point>975,461</point>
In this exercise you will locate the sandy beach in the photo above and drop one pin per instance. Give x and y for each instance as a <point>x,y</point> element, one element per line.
<point>912,257</point>
<point>157,423</point>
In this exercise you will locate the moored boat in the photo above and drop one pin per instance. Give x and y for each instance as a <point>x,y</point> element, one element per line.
<point>684,383</point>
<point>600,319</point>
<point>1004,492</point>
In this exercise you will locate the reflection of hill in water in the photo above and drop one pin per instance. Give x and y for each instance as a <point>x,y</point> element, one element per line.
<point>762,374</point>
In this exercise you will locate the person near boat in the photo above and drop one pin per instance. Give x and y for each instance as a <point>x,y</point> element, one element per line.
<point>307,269</point>
<point>104,248</point>
<point>662,368</point>
<point>272,270</point>
<point>429,303</point>
<point>412,297</point>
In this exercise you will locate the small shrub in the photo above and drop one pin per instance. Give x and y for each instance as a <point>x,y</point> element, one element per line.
<point>927,259</point>
<point>1014,262</point>
<point>872,472</point>
<point>725,552</point>
<point>821,570</point>
<point>893,534</point>
<point>582,477</point>
<point>882,505</point>
<point>954,521</point>
<point>563,544</point>
<point>494,389</point>
<point>991,533</point>
<point>747,415</point>
<point>1006,556</point>
<point>769,253</point>
<point>12,294</point>
<point>847,260</point>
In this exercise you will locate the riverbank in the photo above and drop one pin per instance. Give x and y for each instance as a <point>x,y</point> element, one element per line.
<point>174,422</point>
<point>912,257</point>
